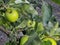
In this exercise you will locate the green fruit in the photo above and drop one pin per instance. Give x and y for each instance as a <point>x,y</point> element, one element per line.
<point>53,42</point>
<point>24,39</point>
<point>12,15</point>
<point>31,23</point>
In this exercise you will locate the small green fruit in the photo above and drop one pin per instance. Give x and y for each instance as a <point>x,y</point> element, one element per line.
<point>53,42</point>
<point>12,15</point>
<point>24,39</point>
<point>31,23</point>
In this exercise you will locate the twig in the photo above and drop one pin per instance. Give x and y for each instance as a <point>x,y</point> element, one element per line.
<point>5,31</point>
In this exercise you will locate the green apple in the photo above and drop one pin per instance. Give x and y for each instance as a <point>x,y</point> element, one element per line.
<point>53,42</point>
<point>31,23</point>
<point>24,39</point>
<point>12,14</point>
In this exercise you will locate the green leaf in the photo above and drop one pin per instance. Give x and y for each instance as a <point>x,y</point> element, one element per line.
<point>55,29</point>
<point>29,9</point>
<point>21,1</point>
<point>35,42</point>
<point>57,32</point>
<point>0,0</point>
<point>6,1</point>
<point>23,24</point>
<point>46,12</point>
<point>50,25</point>
<point>56,1</point>
<point>40,27</point>
<point>33,37</point>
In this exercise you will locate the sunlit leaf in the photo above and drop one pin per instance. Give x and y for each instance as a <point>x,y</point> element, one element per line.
<point>21,1</point>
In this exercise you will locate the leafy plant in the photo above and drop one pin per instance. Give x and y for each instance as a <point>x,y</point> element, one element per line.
<point>28,22</point>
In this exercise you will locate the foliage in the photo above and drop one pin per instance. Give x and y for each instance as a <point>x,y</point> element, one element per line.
<point>56,1</point>
<point>29,22</point>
